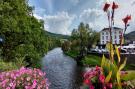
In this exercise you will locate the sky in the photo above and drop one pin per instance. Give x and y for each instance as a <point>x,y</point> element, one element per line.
<point>62,16</point>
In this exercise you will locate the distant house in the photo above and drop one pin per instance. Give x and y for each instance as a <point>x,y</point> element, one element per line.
<point>105,35</point>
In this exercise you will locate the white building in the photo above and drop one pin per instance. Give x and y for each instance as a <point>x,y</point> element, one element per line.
<point>105,35</point>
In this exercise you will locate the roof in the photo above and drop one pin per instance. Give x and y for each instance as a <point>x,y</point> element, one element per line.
<point>114,28</point>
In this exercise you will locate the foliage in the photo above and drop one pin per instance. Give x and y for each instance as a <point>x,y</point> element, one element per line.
<point>83,38</point>
<point>72,53</point>
<point>91,60</point>
<point>22,34</point>
<point>8,66</point>
<point>66,46</point>
<point>23,78</point>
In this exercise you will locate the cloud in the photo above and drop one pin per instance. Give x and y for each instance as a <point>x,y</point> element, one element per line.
<point>37,16</point>
<point>92,17</point>
<point>59,23</point>
<point>39,11</point>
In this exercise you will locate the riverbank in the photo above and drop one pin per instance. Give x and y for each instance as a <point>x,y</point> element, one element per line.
<point>94,59</point>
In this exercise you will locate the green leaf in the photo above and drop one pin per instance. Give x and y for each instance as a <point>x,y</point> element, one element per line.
<point>130,75</point>
<point>118,80</point>
<point>103,61</point>
<point>122,65</point>
<point>108,77</point>
<point>117,52</point>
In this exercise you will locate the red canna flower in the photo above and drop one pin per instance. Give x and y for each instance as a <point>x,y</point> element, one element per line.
<point>106,7</point>
<point>114,6</point>
<point>126,19</point>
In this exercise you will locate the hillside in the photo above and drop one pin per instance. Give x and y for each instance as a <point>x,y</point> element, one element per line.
<point>130,36</point>
<point>57,35</point>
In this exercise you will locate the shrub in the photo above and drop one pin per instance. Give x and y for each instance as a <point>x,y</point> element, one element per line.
<point>24,78</point>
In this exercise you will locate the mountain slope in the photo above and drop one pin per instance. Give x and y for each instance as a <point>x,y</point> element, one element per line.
<point>130,36</point>
<point>57,35</point>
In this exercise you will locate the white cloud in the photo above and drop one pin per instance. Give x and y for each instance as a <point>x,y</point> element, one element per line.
<point>92,17</point>
<point>37,16</point>
<point>59,23</point>
<point>39,11</point>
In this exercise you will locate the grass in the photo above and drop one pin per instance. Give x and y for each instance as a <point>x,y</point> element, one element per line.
<point>91,60</point>
<point>72,54</point>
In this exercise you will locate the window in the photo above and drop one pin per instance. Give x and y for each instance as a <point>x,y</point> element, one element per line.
<point>102,37</point>
<point>106,33</point>
<point>115,37</point>
<point>106,37</point>
<point>102,33</point>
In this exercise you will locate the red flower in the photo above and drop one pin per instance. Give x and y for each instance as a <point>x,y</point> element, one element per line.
<point>106,7</point>
<point>114,6</point>
<point>87,81</point>
<point>126,19</point>
<point>102,78</point>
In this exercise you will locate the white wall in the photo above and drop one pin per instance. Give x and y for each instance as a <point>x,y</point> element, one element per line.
<point>104,34</point>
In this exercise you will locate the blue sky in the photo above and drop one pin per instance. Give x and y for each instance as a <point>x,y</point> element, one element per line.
<point>62,16</point>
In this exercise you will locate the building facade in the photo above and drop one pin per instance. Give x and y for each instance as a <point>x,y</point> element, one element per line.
<point>105,35</point>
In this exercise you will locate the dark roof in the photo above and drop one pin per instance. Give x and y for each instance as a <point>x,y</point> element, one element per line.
<point>115,28</point>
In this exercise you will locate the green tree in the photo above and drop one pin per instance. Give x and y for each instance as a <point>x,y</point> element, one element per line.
<point>83,38</point>
<point>23,35</point>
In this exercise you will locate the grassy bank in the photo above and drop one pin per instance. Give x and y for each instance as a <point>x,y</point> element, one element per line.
<point>93,60</point>
<point>72,54</point>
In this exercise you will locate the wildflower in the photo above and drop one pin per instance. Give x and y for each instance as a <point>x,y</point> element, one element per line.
<point>106,7</point>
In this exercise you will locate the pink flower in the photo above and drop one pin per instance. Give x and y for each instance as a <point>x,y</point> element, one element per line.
<point>87,81</point>
<point>91,87</point>
<point>28,78</point>
<point>34,84</point>
<point>102,78</point>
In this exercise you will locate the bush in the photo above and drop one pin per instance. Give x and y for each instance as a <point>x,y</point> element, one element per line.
<point>23,78</point>
<point>8,66</point>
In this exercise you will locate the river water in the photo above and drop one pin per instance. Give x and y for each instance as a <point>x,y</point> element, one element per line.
<point>61,70</point>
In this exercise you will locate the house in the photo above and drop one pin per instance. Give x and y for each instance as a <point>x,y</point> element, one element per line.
<point>105,35</point>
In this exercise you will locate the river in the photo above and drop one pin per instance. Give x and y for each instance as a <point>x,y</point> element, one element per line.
<point>61,70</point>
